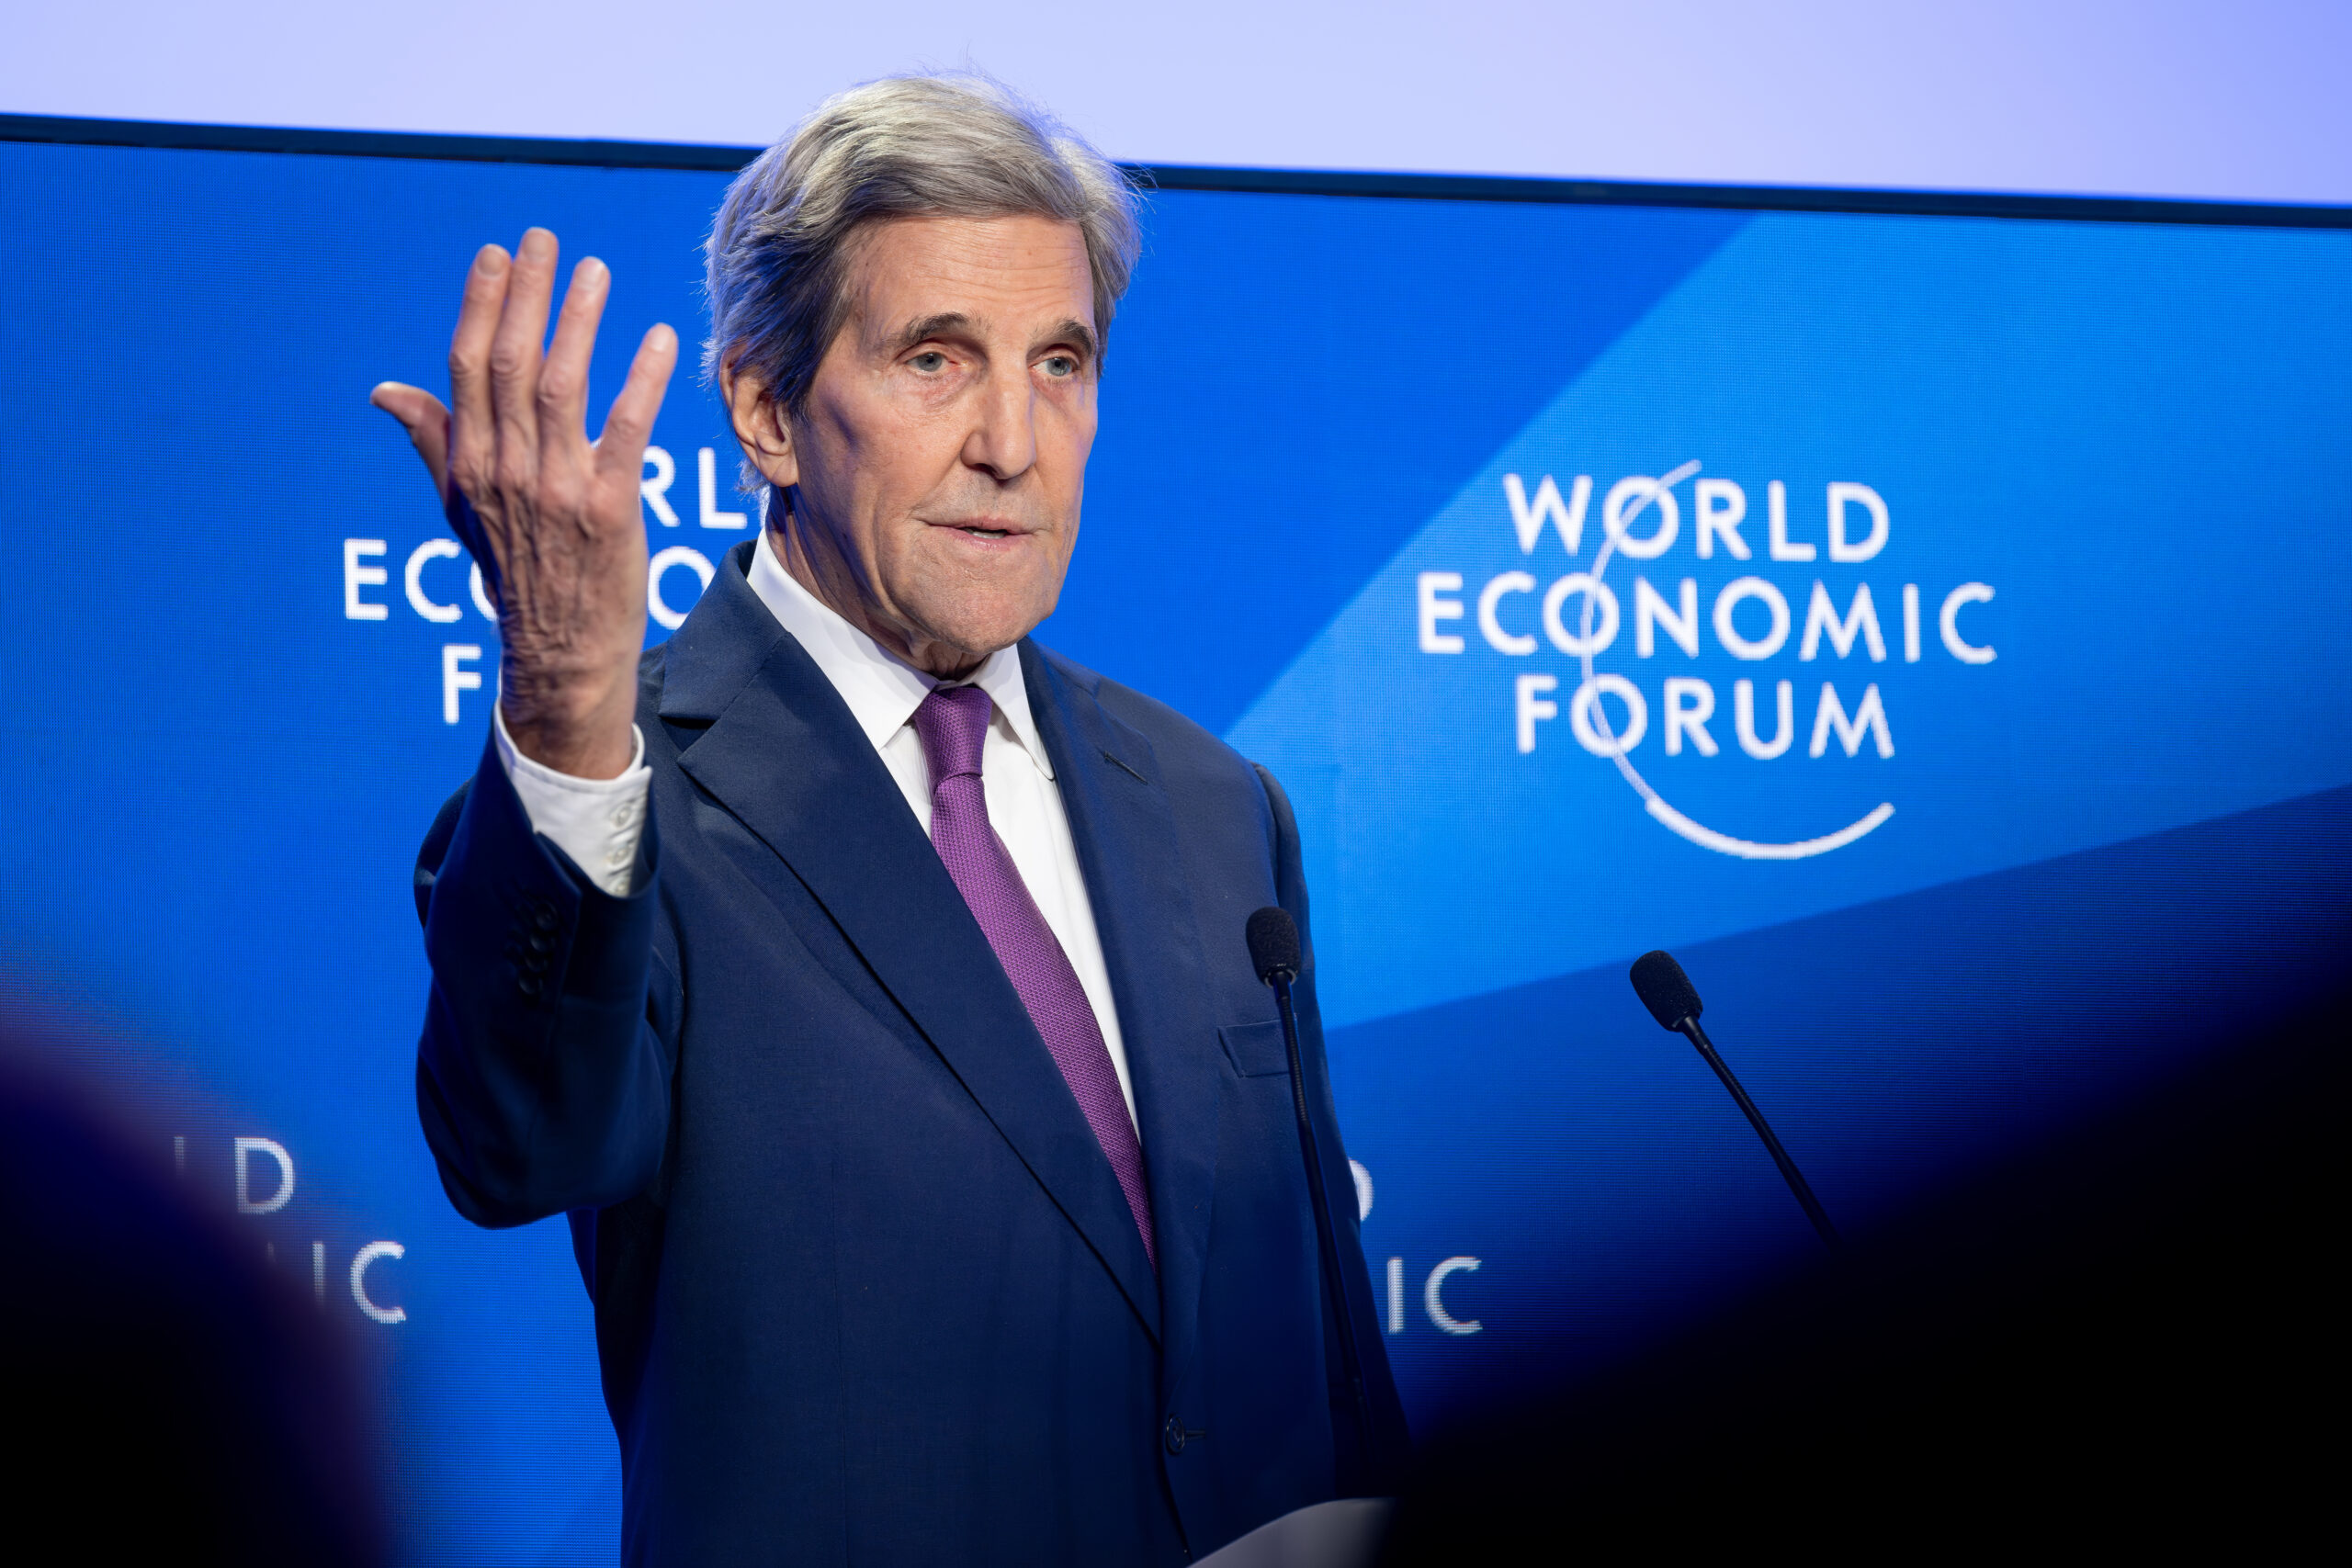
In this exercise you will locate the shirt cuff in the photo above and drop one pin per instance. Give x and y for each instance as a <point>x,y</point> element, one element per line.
<point>597,822</point>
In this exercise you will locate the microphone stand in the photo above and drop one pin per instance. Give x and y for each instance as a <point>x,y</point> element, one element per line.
<point>1789,1171</point>
<point>1326,1234</point>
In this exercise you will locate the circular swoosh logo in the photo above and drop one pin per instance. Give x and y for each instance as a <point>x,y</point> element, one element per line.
<point>1656,804</point>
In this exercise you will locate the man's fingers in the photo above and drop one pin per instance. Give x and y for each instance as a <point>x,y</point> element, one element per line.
<point>621,451</point>
<point>473,442</point>
<point>427,422</point>
<point>515,357</point>
<point>563,379</point>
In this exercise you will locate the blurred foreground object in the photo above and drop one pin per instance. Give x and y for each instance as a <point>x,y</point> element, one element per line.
<point>2128,1336</point>
<point>173,1400</point>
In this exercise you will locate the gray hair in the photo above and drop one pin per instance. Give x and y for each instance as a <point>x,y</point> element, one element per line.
<point>960,145</point>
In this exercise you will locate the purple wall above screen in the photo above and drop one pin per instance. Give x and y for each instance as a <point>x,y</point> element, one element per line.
<point>2141,98</point>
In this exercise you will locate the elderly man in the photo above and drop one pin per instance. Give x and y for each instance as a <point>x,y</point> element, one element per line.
<point>866,983</point>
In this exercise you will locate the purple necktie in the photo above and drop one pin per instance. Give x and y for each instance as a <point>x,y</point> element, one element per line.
<point>954,724</point>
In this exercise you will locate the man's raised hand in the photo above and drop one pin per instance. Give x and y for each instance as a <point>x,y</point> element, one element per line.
<point>551,517</point>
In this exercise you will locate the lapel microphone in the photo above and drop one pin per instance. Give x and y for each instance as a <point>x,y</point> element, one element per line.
<point>1275,953</point>
<point>1673,1000</point>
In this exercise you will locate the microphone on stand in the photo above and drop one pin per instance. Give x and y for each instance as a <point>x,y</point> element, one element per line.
<point>1275,953</point>
<point>1673,1000</point>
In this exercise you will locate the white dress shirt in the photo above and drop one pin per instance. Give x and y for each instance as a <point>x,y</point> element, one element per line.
<point>598,822</point>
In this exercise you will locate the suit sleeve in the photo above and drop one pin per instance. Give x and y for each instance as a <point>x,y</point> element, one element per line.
<point>1376,1462</point>
<point>540,1083</point>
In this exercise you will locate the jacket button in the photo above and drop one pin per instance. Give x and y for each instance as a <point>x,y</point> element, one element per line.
<point>529,985</point>
<point>1174,1436</point>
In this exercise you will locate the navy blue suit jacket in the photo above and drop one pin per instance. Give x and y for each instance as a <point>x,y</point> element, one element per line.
<point>865,1287</point>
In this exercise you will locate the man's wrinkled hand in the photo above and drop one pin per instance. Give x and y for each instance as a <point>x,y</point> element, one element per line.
<point>552,517</point>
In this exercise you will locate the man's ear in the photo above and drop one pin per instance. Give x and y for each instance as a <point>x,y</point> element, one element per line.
<point>760,427</point>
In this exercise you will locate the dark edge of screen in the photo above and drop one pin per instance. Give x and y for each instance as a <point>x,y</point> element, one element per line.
<point>1183,177</point>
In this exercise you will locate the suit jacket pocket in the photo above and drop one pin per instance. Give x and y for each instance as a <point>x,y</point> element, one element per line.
<point>1256,1050</point>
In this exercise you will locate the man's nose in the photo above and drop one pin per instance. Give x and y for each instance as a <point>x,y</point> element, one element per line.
<point>1005,437</point>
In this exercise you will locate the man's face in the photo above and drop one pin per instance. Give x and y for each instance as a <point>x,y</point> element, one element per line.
<point>941,453</point>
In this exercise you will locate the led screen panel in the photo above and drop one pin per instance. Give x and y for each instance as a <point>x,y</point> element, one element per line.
<point>1921,623</point>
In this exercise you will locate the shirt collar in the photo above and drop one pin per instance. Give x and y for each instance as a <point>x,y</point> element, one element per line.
<point>881,689</point>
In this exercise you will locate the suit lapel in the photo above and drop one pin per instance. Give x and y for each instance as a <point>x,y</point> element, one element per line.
<point>782,754</point>
<point>1124,831</point>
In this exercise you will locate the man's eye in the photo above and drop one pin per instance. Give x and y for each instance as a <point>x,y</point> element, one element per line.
<point>931,362</point>
<point>1061,366</point>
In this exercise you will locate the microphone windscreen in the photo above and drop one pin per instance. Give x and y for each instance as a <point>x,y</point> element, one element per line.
<point>1274,944</point>
<point>1665,989</point>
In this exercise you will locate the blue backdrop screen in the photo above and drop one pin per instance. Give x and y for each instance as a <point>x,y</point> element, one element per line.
<point>1921,623</point>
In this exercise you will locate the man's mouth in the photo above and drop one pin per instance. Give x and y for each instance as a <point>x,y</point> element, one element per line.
<point>980,528</point>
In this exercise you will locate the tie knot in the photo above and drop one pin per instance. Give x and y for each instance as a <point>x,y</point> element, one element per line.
<point>953,724</point>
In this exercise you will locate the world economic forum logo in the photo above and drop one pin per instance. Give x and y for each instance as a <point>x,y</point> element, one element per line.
<point>1754,618</point>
